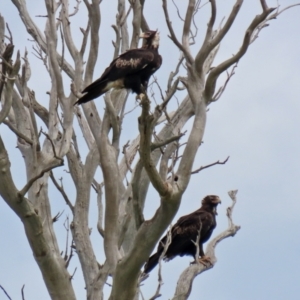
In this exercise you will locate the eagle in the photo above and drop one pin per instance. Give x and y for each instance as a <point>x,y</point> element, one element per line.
<point>184,234</point>
<point>130,70</point>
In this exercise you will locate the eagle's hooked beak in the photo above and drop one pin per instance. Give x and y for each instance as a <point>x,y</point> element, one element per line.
<point>218,201</point>
<point>144,35</point>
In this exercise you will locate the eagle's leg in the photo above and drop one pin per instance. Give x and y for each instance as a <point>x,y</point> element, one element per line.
<point>140,96</point>
<point>204,260</point>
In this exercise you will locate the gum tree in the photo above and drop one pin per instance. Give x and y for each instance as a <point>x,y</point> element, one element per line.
<point>155,156</point>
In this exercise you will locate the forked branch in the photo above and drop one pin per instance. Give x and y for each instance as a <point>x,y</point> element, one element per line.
<point>146,126</point>
<point>215,73</point>
<point>17,132</point>
<point>208,44</point>
<point>29,184</point>
<point>173,37</point>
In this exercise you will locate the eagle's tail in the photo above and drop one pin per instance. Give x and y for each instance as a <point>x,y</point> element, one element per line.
<point>93,91</point>
<point>152,262</point>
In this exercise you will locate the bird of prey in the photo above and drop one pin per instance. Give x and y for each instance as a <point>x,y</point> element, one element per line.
<point>184,234</point>
<point>130,70</point>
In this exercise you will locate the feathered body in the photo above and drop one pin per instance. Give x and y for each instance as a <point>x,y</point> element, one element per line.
<point>186,230</point>
<point>130,70</point>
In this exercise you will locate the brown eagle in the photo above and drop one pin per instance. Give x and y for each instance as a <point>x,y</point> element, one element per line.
<point>185,232</point>
<point>131,70</point>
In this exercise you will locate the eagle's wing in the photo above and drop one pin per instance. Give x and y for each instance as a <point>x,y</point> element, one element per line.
<point>128,63</point>
<point>187,229</point>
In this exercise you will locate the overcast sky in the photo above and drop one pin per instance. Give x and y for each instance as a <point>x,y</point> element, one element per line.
<point>256,123</point>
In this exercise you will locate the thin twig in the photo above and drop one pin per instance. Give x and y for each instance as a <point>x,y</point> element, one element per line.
<point>160,280</point>
<point>98,189</point>
<point>210,165</point>
<point>126,157</point>
<point>173,37</point>
<point>76,9</point>
<point>72,276</point>
<point>173,74</point>
<point>3,289</point>
<point>62,191</point>
<point>167,141</point>
<point>53,146</point>
<point>215,73</point>
<point>197,242</point>
<point>10,35</point>
<point>57,216</point>
<point>28,185</point>
<point>116,43</point>
<point>22,291</point>
<point>17,132</point>
<point>221,90</point>
<point>72,247</point>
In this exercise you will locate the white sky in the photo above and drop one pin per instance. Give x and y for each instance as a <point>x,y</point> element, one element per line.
<point>256,122</point>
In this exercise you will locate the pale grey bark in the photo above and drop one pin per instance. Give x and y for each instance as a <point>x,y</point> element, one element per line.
<point>46,255</point>
<point>128,170</point>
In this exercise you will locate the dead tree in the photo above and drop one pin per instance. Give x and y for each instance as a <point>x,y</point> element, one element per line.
<point>156,157</point>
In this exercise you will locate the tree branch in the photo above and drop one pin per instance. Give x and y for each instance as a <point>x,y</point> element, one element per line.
<point>37,35</point>
<point>136,23</point>
<point>5,292</point>
<point>6,57</point>
<point>209,45</point>
<point>136,205</point>
<point>22,292</point>
<point>17,132</point>
<point>173,37</point>
<point>64,15</point>
<point>51,265</point>
<point>210,165</point>
<point>221,90</point>
<point>108,159</point>
<point>28,185</point>
<point>187,26</point>
<point>12,72</point>
<point>110,110</point>
<point>98,189</point>
<point>215,73</point>
<point>51,39</point>
<point>146,126</point>
<point>167,141</point>
<point>94,19</point>
<point>62,191</point>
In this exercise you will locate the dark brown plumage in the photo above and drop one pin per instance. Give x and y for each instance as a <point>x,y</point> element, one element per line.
<point>186,230</point>
<point>130,70</point>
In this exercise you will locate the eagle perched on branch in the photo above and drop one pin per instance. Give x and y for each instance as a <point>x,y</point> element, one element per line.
<point>130,70</point>
<point>184,234</point>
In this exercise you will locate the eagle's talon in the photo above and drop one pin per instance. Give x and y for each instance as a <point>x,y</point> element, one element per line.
<point>205,260</point>
<point>141,96</point>
<point>138,97</point>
